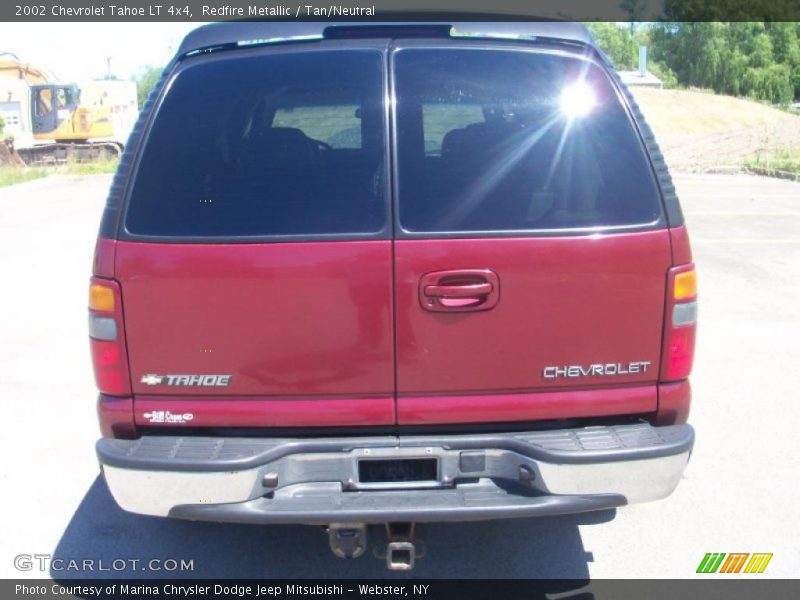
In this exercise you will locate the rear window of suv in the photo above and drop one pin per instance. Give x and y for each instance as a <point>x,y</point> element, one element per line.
<point>500,141</point>
<point>285,144</point>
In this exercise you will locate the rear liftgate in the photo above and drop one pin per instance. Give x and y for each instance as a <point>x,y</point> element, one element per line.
<point>385,491</point>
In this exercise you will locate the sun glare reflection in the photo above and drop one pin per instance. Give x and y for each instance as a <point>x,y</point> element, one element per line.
<point>577,100</point>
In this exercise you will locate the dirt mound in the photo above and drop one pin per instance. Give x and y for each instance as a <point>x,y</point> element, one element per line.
<point>699,152</point>
<point>698,131</point>
<point>8,157</point>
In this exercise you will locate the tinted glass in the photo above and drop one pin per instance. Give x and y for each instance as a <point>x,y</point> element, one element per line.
<point>492,140</point>
<point>289,144</point>
<point>338,126</point>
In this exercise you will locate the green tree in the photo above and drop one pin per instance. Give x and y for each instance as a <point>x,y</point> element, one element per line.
<point>146,81</point>
<point>664,73</point>
<point>755,59</point>
<point>786,46</point>
<point>615,42</point>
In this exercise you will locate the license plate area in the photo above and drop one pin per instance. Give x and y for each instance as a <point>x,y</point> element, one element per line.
<point>401,472</point>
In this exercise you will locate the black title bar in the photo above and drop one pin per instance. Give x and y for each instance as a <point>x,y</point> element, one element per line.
<point>428,589</point>
<point>393,10</point>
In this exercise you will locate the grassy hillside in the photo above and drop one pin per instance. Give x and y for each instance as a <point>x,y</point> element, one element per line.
<point>700,130</point>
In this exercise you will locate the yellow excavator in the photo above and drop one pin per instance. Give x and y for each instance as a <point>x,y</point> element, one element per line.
<point>51,123</point>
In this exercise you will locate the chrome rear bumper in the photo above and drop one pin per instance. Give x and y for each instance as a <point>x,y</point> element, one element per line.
<point>317,480</point>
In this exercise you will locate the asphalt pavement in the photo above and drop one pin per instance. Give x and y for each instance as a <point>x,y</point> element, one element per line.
<point>739,493</point>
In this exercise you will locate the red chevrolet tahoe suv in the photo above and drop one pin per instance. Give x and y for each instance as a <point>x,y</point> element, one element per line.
<point>354,274</point>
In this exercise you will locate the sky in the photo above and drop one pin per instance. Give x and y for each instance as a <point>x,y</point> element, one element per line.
<point>76,52</point>
<point>79,51</point>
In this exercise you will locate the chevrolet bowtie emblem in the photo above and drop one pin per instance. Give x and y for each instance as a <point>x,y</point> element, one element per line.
<point>152,379</point>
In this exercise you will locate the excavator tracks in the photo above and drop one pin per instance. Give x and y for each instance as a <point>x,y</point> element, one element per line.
<point>61,153</point>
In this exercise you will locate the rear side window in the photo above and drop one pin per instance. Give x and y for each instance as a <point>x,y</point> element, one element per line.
<point>266,145</point>
<point>495,140</point>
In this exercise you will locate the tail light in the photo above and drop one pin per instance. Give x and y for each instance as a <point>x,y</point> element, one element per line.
<point>106,336</point>
<point>680,324</point>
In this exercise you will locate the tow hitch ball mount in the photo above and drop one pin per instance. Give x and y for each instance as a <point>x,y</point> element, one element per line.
<point>400,547</point>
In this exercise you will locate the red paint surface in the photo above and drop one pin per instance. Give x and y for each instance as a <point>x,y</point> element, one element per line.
<point>249,412</point>
<point>104,252</point>
<point>305,330</point>
<point>674,400</point>
<point>116,417</point>
<point>311,321</point>
<point>681,249</point>
<point>562,301</point>
<point>526,407</point>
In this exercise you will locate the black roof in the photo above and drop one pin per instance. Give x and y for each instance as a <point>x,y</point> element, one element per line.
<point>232,32</point>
